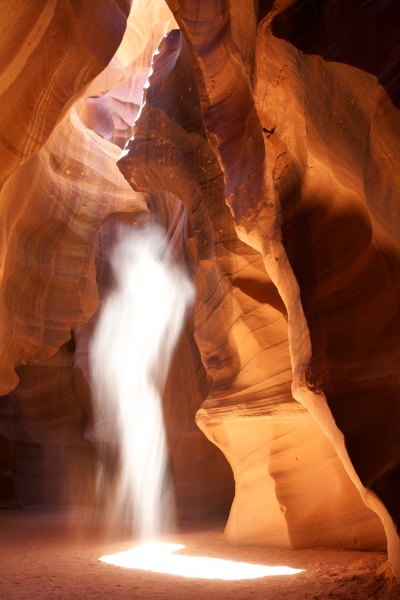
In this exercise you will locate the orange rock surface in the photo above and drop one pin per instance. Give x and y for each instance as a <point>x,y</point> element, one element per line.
<point>266,143</point>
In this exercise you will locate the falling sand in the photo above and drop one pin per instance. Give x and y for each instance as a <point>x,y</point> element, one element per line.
<point>136,332</point>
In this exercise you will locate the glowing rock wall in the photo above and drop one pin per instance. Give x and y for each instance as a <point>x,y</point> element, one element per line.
<point>55,269</point>
<point>267,144</point>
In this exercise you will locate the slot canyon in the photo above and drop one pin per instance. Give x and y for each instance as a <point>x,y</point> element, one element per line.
<point>262,137</point>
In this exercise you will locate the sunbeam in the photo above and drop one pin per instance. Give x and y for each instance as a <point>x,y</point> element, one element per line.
<point>138,327</point>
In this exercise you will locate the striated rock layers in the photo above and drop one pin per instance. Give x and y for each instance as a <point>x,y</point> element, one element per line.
<point>55,270</point>
<point>311,185</point>
<point>267,146</point>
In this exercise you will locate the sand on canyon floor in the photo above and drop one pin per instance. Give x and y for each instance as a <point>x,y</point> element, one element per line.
<point>52,553</point>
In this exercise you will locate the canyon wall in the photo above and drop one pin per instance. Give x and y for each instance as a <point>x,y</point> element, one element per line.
<point>267,145</point>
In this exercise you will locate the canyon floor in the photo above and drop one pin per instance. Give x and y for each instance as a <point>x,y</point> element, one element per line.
<point>48,553</point>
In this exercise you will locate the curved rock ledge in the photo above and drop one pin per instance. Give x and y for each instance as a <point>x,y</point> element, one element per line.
<point>315,212</point>
<point>48,55</point>
<point>241,330</point>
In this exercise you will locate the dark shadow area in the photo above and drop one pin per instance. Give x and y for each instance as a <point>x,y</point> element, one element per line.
<point>361,34</point>
<point>262,291</point>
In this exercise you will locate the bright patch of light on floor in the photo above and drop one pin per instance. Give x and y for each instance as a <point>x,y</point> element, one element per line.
<point>159,557</point>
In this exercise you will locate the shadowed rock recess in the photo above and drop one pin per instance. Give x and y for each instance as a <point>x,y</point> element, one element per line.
<point>265,140</point>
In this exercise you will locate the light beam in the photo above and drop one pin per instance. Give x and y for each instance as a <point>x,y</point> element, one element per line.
<point>138,327</point>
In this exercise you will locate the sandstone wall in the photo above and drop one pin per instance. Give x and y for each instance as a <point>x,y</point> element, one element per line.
<point>267,145</point>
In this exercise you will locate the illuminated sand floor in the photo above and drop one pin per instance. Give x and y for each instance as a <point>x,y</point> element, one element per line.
<point>44,554</point>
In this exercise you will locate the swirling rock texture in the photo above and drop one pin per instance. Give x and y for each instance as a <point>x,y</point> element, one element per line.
<point>267,145</point>
<point>65,186</point>
<point>44,421</point>
<point>250,412</point>
<point>48,226</point>
<point>305,132</point>
<point>55,267</point>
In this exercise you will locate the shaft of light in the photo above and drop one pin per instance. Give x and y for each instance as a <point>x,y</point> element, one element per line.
<point>137,330</point>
